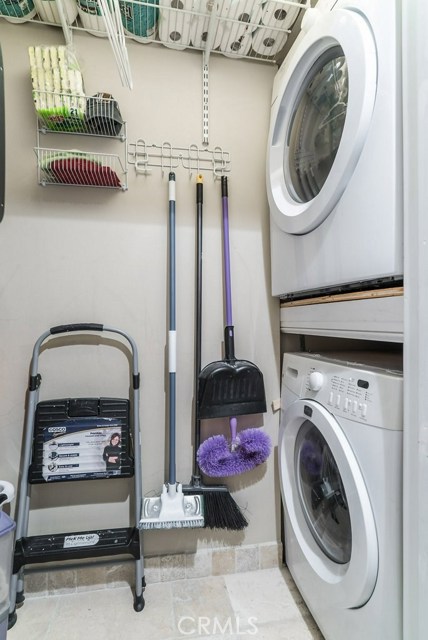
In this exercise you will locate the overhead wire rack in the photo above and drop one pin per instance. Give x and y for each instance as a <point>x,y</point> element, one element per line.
<point>253,29</point>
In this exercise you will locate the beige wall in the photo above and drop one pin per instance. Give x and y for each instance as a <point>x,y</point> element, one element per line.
<point>77,254</point>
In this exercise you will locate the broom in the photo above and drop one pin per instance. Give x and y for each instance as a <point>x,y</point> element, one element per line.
<point>220,509</point>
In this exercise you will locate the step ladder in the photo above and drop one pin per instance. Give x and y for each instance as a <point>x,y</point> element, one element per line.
<point>72,439</point>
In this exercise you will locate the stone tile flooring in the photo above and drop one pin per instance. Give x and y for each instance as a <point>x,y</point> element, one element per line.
<point>263,604</point>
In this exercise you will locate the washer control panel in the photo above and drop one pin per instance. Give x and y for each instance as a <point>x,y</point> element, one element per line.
<point>364,393</point>
<point>350,394</point>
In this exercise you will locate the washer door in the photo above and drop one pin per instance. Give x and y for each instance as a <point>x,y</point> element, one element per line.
<point>327,503</point>
<point>320,120</point>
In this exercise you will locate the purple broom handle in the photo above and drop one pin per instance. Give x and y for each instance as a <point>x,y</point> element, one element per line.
<point>226,249</point>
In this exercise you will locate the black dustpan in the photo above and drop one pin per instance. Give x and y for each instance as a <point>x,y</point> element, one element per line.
<point>230,387</point>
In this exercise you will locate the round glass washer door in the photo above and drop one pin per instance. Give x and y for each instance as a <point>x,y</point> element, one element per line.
<point>322,494</point>
<point>320,120</point>
<point>327,503</point>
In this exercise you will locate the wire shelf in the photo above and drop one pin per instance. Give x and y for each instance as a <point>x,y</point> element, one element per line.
<point>75,113</point>
<point>254,29</point>
<point>80,168</point>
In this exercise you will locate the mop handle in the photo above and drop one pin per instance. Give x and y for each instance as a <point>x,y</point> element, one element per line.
<point>172,336</point>
<point>198,317</point>
<point>228,331</point>
<point>226,250</point>
<point>229,340</point>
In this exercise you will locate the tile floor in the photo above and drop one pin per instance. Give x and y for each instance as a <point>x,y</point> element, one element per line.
<point>263,604</point>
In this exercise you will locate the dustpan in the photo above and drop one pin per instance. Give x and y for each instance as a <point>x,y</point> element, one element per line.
<point>230,387</point>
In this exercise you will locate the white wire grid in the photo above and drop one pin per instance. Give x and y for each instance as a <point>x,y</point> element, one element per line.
<point>234,28</point>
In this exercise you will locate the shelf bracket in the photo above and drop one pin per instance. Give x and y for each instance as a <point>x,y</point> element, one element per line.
<point>212,27</point>
<point>205,102</point>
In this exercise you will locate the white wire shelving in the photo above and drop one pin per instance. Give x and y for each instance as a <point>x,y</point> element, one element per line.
<point>250,29</point>
<point>253,29</point>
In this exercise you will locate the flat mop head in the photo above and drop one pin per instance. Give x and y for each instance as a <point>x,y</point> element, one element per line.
<point>172,510</point>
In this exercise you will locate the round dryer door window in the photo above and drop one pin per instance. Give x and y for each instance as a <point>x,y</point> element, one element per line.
<point>320,119</point>
<point>317,125</point>
<point>327,503</point>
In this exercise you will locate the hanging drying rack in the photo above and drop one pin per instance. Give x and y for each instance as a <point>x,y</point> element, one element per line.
<point>167,157</point>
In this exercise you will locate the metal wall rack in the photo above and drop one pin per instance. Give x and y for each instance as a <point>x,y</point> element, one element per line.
<point>166,157</point>
<point>63,114</point>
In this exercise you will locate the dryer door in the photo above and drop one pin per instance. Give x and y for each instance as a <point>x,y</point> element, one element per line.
<point>320,120</point>
<point>327,503</point>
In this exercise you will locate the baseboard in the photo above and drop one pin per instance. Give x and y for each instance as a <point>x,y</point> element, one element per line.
<point>40,582</point>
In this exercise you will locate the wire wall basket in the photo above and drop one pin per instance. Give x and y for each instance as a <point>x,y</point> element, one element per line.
<point>75,112</point>
<point>80,168</point>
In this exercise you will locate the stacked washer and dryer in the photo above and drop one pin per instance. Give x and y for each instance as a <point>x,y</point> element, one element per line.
<point>334,182</point>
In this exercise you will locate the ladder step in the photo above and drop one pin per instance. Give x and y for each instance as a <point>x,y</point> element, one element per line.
<point>76,546</point>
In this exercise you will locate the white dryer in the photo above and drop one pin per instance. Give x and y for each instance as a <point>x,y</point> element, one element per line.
<point>340,462</point>
<point>334,159</point>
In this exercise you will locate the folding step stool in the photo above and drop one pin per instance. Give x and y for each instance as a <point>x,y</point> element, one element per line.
<point>75,439</point>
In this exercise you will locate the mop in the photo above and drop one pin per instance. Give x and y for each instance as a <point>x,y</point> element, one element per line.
<point>172,510</point>
<point>220,509</point>
<point>251,447</point>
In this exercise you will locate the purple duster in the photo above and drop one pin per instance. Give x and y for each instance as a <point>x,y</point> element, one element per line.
<point>218,458</point>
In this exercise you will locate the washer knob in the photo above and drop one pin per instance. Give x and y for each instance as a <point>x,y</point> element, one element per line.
<point>316,380</point>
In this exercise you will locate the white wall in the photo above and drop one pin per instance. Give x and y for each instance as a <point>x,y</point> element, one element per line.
<point>415,434</point>
<point>72,254</point>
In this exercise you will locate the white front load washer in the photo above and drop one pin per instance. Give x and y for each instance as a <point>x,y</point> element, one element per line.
<point>334,159</point>
<point>340,463</point>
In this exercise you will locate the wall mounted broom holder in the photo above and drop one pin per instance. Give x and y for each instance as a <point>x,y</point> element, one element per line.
<point>167,157</point>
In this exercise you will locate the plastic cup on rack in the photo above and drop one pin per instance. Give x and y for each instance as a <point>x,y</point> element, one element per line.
<point>103,115</point>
